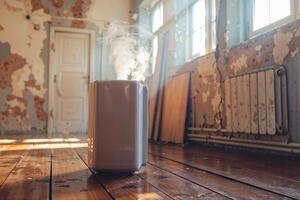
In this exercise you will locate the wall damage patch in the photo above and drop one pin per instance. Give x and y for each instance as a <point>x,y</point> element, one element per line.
<point>80,8</point>
<point>8,66</point>
<point>21,68</point>
<point>206,93</point>
<point>77,9</point>
<point>39,107</point>
<point>78,24</point>
<point>36,5</point>
<point>16,110</point>
<point>4,50</point>
<point>57,3</point>
<point>32,84</point>
<point>239,64</point>
<point>281,49</point>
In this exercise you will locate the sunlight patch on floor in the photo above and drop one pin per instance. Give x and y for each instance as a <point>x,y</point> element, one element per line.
<point>7,141</point>
<point>51,140</point>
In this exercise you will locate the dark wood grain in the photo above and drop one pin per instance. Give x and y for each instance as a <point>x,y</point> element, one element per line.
<point>124,185</point>
<point>12,149</point>
<point>270,173</point>
<point>30,178</point>
<point>10,155</point>
<point>45,168</point>
<point>71,178</point>
<point>175,186</point>
<point>219,184</point>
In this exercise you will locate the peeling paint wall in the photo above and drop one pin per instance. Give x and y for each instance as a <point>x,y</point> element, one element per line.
<point>24,50</point>
<point>278,47</point>
<point>205,97</point>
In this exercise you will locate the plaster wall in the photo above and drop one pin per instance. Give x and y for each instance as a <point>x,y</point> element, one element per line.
<point>24,52</point>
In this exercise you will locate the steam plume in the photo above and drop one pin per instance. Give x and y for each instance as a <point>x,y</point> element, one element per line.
<point>126,53</point>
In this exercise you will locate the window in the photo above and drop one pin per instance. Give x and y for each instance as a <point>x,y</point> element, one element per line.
<point>213,24</point>
<point>237,20</point>
<point>180,39</point>
<point>268,13</point>
<point>202,27</point>
<point>157,22</point>
<point>195,30</point>
<point>154,52</point>
<point>246,19</point>
<point>157,17</point>
<point>198,28</point>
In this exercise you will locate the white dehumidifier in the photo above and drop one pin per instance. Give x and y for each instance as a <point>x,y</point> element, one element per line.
<point>117,129</point>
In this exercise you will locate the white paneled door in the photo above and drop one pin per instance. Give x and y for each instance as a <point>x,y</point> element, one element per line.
<point>70,81</point>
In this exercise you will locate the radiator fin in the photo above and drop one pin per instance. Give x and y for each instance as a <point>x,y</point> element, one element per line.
<point>254,103</point>
<point>270,96</point>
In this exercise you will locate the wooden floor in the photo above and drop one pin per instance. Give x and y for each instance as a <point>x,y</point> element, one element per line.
<point>55,168</point>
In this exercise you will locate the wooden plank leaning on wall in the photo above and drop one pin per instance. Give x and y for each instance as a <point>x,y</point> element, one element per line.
<point>175,108</point>
<point>156,88</point>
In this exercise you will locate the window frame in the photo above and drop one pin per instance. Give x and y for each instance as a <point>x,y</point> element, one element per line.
<point>156,6</point>
<point>183,15</point>
<point>293,15</point>
<point>155,34</point>
<point>208,29</point>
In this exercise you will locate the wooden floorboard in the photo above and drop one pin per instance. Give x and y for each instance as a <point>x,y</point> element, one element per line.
<point>241,167</point>
<point>125,185</point>
<point>30,178</point>
<point>129,186</point>
<point>71,178</point>
<point>175,186</point>
<point>219,184</point>
<point>10,155</point>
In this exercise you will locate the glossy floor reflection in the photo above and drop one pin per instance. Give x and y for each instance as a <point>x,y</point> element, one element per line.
<point>44,167</point>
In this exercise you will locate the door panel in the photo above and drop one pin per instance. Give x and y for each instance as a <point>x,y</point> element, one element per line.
<point>71,82</point>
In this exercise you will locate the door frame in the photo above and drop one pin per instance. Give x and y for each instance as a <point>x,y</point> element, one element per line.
<point>91,67</point>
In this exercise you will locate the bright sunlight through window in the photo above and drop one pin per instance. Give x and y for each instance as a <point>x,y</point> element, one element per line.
<point>267,12</point>
<point>154,52</point>
<point>157,17</point>
<point>198,28</point>
<point>157,22</point>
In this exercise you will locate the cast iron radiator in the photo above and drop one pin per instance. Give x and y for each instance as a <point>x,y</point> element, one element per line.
<point>256,102</point>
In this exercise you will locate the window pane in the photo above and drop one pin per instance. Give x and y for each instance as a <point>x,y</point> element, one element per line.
<point>213,10</point>
<point>269,11</point>
<point>213,35</point>
<point>213,24</point>
<point>261,14</point>
<point>202,41</point>
<point>279,9</point>
<point>180,39</point>
<point>157,17</point>
<point>198,14</point>
<point>198,42</point>
<point>154,52</point>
